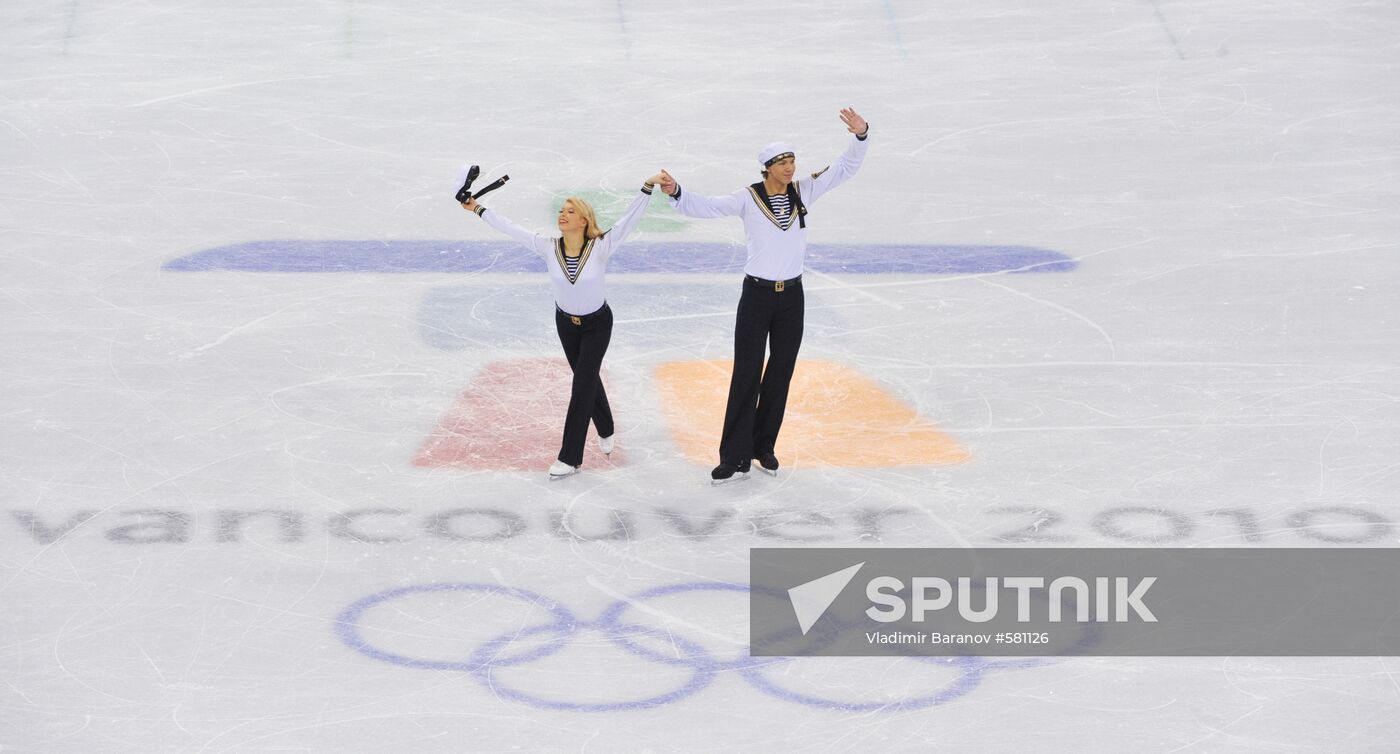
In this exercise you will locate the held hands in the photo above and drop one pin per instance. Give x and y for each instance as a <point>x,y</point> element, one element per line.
<point>667,183</point>
<point>854,123</point>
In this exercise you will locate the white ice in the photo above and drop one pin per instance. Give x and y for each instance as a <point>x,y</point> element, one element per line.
<point>1226,354</point>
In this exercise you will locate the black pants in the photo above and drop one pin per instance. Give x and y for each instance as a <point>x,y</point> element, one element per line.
<point>584,346</point>
<point>758,396</point>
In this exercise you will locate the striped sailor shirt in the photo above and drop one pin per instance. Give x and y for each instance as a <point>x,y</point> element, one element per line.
<point>579,282</point>
<point>777,245</point>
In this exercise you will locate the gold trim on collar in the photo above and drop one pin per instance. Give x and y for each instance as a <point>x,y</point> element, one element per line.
<point>763,207</point>
<point>582,259</point>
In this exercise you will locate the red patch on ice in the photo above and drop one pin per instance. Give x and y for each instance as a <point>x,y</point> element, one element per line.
<point>511,418</point>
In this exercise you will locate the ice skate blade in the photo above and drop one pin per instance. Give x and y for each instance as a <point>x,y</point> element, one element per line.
<point>738,477</point>
<point>769,472</point>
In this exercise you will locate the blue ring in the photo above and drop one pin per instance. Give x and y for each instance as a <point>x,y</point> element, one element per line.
<point>613,614</point>
<point>960,686</point>
<point>700,678</point>
<point>348,623</point>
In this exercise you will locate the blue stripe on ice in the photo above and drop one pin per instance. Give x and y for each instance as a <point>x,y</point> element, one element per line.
<point>670,256</point>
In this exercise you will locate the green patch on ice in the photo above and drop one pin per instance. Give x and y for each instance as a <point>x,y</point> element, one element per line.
<point>610,205</point>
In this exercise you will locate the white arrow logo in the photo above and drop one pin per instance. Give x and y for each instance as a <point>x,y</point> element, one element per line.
<point>810,600</point>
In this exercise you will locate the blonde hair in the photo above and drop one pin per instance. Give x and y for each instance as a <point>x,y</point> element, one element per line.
<point>590,218</point>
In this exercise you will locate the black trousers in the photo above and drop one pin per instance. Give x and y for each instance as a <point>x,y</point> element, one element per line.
<point>758,396</point>
<point>584,345</point>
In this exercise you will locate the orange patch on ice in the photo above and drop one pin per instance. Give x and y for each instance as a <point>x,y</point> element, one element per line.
<point>835,417</point>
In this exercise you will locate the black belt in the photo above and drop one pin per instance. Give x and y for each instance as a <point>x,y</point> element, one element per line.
<point>579,319</point>
<point>773,285</point>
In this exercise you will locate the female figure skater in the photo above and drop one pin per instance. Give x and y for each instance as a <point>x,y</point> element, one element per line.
<point>577,263</point>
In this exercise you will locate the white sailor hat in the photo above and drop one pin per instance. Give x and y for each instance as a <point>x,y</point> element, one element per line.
<point>774,152</point>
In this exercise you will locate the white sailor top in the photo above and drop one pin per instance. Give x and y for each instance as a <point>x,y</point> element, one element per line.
<point>584,293</point>
<point>776,248</point>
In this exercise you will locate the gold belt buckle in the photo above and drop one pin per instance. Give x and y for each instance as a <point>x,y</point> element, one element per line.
<point>575,320</point>
<point>778,286</point>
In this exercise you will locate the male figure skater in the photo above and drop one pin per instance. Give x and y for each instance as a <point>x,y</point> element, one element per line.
<point>770,315</point>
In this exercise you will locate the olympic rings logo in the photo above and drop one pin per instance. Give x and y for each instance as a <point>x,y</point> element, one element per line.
<point>684,664</point>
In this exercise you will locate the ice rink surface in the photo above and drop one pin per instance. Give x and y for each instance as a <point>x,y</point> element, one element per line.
<point>277,411</point>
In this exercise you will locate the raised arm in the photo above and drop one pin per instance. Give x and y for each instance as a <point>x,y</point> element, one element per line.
<point>628,222</point>
<point>533,241</point>
<point>846,165</point>
<point>695,205</point>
